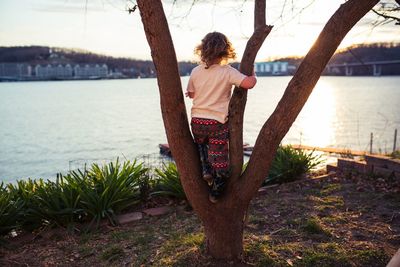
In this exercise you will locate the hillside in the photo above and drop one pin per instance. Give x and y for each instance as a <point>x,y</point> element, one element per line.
<point>358,53</point>
<point>34,55</point>
<point>43,55</point>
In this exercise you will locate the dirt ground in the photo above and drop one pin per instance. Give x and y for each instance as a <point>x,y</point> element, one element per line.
<point>337,220</point>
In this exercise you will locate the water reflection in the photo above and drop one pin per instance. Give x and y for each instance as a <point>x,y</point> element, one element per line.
<point>315,122</point>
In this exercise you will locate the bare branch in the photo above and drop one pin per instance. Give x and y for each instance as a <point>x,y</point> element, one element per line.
<point>385,16</point>
<point>238,101</point>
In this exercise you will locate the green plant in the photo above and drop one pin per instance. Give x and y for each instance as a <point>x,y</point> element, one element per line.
<point>314,227</point>
<point>10,210</point>
<point>58,202</point>
<point>168,182</point>
<point>106,190</point>
<point>146,183</point>
<point>289,164</point>
<point>30,217</point>
<point>47,202</point>
<point>112,253</point>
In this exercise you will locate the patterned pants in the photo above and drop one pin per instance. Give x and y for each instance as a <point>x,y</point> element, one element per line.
<point>216,136</point>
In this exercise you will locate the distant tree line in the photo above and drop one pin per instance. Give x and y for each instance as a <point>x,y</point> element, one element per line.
<point>145,68</point>
<point>46,55</point>
<point>367,53</point>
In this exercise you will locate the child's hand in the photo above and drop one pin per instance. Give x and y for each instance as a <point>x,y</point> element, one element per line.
<point>189,94</point>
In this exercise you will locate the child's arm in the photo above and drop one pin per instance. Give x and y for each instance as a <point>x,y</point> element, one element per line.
<point>241,80</point>
<point>248,82</point>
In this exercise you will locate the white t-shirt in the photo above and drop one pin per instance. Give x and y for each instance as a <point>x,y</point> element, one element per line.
<point>212,90</point>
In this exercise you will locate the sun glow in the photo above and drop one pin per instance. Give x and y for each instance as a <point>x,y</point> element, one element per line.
<point>315,122</point>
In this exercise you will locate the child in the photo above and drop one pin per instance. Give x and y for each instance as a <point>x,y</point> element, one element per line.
<point>210,86</point>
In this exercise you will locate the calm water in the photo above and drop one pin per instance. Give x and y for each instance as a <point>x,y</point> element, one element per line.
<point>50,127</point>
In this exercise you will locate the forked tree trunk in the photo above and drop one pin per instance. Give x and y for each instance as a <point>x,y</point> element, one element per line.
<point>224,234</point>
<point>223,222</point>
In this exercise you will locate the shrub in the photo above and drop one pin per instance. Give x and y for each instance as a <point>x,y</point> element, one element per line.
<point>105,191</point>
<point>289,164</point>
<point>168,182</point>
<point>25,190</point>
<point>46,202</point>
<point>10,210</point>
<point>58,202</point>
<point>93,194</point>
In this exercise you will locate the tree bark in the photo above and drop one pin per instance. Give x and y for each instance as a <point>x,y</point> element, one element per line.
<point>224,234</point>
<point>238,101</point>
<point>223,222</point>
<point>172,103</point>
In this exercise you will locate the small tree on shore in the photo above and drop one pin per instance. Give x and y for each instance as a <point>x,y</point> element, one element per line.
<point>224,222</point>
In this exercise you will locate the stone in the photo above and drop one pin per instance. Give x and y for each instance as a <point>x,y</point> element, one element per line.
<point>264,190</point>
<point>361,167</point>
<point>331,168</point>
<point>383,162</point>
<point>129,217</point>
<point>158,211</point>
<point>383,171</point>
<point>345,164</point>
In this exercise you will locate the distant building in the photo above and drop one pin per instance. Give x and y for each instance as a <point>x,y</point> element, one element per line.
<point>271,68</point>
<point>22,71</point>
<point>57,71</point>
<point>15,70</point>
<point>91,71</point>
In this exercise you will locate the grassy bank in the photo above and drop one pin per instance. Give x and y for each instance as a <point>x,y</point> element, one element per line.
<point>336,221</point>
<point>80,199</point>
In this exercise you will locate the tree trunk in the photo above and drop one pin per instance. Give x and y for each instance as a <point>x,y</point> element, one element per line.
<point>224,234</point>
<point>238,102</point>
<point>223,222</point>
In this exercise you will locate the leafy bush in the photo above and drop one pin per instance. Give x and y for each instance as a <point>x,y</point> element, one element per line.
<point>289,164</point>
<point>100,192</point>
<point>58,202</point>
<point>46,202</point>
<point>168,182</point>
<point>106,190</point>
<point>10,210</point>
<point>25,190</point>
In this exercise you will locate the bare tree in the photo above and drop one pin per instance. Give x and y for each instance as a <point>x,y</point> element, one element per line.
<point>223,222</point>
<point>389,11</point>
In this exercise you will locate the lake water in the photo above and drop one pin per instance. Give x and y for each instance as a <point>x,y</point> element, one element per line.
<point>50,127</point>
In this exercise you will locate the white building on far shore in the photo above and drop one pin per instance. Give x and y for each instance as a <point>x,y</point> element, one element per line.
<point>57,71</point>
<point>271,68</point>
<point>60,71</point>
<point>91,71</point>
<point>15,70</point>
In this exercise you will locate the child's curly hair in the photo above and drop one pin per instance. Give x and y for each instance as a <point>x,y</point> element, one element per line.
<point>215,45</point>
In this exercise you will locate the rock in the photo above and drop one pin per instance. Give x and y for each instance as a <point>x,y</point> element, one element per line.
<point>158,211</point>
<point>331,168</point>
<point>129,217</point>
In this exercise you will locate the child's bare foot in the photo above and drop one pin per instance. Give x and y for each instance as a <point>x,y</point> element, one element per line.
<point>213,199</point>
<point>208,178</point>
<point>216,188</point>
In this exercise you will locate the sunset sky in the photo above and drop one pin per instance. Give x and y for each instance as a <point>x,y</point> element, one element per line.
<point>104,26</point>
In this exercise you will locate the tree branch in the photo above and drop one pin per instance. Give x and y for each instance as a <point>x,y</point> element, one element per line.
<point>383,15</point>
<point>239,97</point>
<point>298,91</point>
<point>172,104</point>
